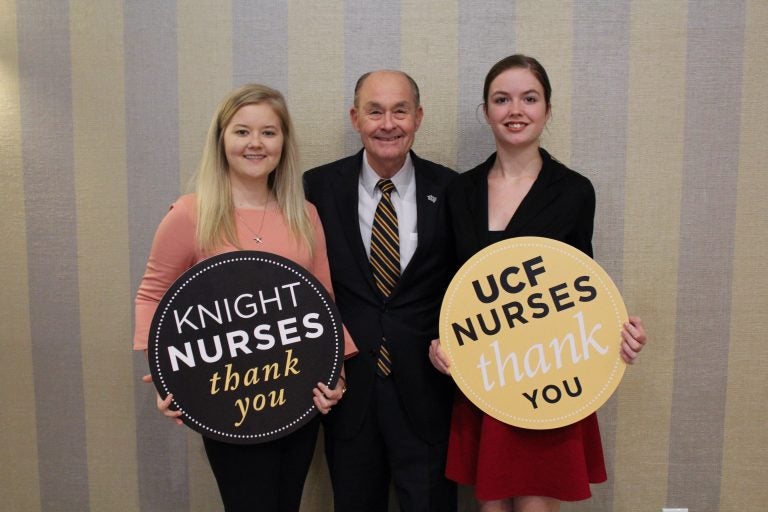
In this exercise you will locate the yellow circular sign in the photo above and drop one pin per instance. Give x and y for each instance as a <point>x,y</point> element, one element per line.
<point>532,329</point>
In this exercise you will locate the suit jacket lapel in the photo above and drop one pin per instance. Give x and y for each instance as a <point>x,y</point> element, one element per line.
<point>477,205</point>
<point>544,190</point>
<point>347,182</point>
<point>428,201</point>
<point>427,196</point>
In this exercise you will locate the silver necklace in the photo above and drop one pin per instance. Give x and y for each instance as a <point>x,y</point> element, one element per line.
<point>256,234</point>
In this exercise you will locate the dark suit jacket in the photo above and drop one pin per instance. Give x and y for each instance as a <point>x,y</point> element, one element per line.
<point>560,205</point>
<point>408,318</point>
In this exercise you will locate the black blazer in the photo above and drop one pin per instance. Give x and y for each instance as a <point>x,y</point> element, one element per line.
<point>560,205</point>
<point>409,317</point>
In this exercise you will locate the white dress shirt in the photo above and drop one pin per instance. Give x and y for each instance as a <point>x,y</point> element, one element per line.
<point>403,200</point>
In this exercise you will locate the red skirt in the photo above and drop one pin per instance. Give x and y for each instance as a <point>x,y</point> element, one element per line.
<point>503,461</point>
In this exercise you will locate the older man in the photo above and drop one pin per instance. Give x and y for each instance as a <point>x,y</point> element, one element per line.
<point>391,259</point>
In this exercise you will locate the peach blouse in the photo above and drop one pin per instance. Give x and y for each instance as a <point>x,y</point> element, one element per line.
<point>174,250</point>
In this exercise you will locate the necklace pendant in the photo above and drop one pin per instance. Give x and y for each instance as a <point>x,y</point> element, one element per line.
<point>258,239</point>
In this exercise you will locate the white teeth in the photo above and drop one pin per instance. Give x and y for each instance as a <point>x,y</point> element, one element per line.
<point>516,126</point>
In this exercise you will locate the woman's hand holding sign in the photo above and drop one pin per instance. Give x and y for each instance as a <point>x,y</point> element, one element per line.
<point>325,397</point>
<point>633,339</point>
<point>438,357</point>
<point>164,406</point>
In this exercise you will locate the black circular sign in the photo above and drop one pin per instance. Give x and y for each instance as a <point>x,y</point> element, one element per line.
<point>241,339</point>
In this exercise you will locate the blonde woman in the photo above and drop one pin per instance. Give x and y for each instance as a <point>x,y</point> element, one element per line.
<point>248,196</point>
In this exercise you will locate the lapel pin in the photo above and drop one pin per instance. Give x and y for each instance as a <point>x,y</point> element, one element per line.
<point>432,198</point>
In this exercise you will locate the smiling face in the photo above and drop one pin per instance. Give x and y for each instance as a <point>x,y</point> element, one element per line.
<point>253,144</point>
<point>517,110</point>
<point>387,116</point>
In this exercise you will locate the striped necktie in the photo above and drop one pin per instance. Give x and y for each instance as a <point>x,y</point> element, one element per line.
<point>385,256</point>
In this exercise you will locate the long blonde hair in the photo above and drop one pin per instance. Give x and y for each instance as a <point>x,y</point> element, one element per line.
<point>215,206</point>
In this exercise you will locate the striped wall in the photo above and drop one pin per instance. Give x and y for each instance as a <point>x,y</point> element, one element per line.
<point>103,109</point>
<point>653,178</point>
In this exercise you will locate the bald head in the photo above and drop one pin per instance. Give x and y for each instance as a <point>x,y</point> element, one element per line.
<point>411,82</point>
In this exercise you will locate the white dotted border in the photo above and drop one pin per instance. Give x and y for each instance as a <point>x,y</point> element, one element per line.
<point>191,278</point>
<point>581,259</point>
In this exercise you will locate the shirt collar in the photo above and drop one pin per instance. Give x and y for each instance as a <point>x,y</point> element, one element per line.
<point>402,178</point>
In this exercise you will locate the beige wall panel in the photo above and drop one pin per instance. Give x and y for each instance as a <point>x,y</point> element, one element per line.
<point>316,79</point>
<point>98,110</point>
<point>429,53</point>
<point>655,126</point>
<point>18,480</point>
<point>745,451</point>
<point>205,75</point>
<point>545,31</point>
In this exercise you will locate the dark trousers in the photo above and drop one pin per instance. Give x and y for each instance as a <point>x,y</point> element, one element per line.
<point>387,449</point>
<point>267,477</point>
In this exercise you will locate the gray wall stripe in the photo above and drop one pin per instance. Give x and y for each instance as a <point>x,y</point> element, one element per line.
<point>152,162</point>
<point>599,119</point>
<point>485,36</point>
<point>51,216</point>
<point>710,174</point>
<point>372,41</point>
<point>260,44</point>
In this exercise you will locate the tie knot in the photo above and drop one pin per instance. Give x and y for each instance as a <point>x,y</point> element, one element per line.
<point>386,186</point>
